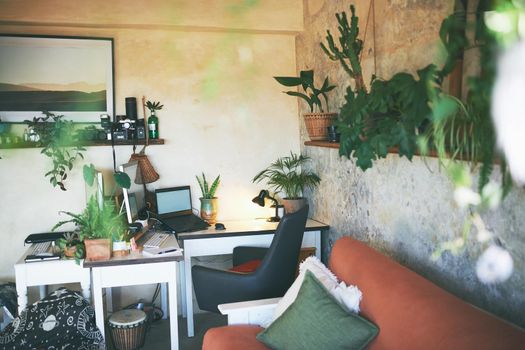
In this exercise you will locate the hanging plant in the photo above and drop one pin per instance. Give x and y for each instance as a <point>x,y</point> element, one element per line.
<point>55,135</point>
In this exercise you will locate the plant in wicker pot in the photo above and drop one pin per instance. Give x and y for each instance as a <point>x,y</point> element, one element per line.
<point>317,120</point>
<point>287,174</point>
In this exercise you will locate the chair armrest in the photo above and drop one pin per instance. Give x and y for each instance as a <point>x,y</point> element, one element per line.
<point>255,312</point>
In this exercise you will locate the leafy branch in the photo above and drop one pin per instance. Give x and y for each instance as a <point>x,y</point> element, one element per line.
<point>57,140</point>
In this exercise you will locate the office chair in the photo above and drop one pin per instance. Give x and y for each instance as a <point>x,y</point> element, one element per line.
<point>272,278</point>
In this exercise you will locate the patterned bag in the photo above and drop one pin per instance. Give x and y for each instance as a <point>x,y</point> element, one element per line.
<point>62,320</point>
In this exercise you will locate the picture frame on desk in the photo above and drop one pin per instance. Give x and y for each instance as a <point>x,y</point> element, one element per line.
<point>71,76</point>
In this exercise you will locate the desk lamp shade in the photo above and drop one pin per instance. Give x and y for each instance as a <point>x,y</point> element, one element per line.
<point>149,174</point>
<point>259,199</point>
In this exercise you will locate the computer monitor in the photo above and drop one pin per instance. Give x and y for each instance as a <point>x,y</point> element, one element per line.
<point>135,196</point>
<point>96,189</point>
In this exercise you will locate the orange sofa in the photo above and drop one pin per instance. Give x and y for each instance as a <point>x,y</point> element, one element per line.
<point>410,311</point>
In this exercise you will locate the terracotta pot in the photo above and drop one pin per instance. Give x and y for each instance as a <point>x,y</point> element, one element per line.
<point>98,249</point>
<point>209,210</point>
<point>293,205</point>
<point>70,251</point>
<point>316,124</point>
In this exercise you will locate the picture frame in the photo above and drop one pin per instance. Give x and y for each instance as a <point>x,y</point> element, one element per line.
<point>70,76</point>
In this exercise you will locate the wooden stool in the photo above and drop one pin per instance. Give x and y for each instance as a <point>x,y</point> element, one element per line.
<point>128,329</point>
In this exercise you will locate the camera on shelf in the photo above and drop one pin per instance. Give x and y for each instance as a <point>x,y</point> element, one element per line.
<point>91,133</point>
<point>124,128</point>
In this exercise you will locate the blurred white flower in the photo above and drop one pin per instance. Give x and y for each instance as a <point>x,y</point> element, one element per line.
<point>491,195</point>
<point>483,236</point>
<point>508,108</point>
<point>495,265</point>
<point>464,197</point>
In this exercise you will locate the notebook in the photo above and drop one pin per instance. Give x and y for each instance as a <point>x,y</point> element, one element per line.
<point>169,247</point>
<point>174,210</point>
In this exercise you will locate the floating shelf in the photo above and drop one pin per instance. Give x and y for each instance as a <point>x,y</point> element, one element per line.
<point>87,143</point>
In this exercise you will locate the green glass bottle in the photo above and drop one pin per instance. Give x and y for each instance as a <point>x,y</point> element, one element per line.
<point>153,126</point>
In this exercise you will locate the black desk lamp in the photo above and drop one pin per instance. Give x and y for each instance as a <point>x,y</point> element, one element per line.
<point>260,200</point>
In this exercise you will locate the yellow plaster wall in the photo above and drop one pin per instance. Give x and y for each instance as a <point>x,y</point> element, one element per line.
<point>223,112</point>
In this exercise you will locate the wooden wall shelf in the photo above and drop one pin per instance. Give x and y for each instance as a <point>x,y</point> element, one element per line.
<point>327,144</point>
<point>87,144</point>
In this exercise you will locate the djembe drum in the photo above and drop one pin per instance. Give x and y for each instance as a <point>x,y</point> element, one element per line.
<point>128,329</point>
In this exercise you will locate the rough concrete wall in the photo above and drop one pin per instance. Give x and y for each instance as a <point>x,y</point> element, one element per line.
<point>404,208</point>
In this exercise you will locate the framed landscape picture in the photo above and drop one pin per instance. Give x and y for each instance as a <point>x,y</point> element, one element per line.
<point>71,76</point>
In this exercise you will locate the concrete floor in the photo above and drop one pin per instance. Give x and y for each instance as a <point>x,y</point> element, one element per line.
<point>158,338</point>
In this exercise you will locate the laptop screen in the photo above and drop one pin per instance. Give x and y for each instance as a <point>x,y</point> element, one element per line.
<point>173,200</point>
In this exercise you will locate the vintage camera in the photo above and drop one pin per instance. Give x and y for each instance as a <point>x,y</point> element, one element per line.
<point>141,129</point>
<point>124,129</point>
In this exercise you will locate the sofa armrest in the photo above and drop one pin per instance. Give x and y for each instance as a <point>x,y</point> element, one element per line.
<point>254,312</point>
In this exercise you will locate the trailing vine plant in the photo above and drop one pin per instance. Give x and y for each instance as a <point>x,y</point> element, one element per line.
<point>56,137</point>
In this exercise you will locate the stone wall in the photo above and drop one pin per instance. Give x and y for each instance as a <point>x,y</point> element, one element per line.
<point>403,208</point>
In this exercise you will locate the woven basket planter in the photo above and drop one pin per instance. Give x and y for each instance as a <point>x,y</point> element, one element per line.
<point>316,124</point>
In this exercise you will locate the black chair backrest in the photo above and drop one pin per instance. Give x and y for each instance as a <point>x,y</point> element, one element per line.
<point>277,269</point>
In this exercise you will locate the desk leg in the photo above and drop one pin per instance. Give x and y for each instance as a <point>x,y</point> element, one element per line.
<point>174,327</point>
<point>43,291</point>
<point>98,300</point>
<point>182,285</point>
<point>85,285</point>
<point>21,287</point>
<point>318,245</point>
<point>164,300</point>
<point>189,292</point>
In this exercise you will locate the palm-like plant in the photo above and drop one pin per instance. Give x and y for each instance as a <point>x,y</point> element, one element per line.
<point>287,175</point>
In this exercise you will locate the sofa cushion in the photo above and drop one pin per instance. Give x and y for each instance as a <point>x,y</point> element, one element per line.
<point>348,296</point>
<point>236,337</point>
<point>411,311</point>
<point>315,320</point>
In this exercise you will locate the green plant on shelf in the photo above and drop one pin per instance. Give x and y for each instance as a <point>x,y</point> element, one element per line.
<point>311,94</point>
<point>153,106</point>
<point>55,135</point>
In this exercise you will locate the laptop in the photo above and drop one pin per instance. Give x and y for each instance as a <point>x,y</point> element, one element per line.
<point>174,210</point>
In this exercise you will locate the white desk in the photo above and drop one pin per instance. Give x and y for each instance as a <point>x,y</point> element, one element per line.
<point>45,273</point>
<point>134,270</point>
<point>237,233</point>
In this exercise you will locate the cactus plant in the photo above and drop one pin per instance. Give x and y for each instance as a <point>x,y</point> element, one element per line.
<point>349,52</point>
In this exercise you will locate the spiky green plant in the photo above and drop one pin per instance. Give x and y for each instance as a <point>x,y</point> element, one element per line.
<point>287,174</point>
<point>208,192</point>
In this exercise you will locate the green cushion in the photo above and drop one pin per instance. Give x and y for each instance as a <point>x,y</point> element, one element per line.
<point>315,320</point>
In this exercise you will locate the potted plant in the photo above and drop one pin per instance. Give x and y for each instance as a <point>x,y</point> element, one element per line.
<point>208,200</point>
<point>71,245</point>
<point>316,123</point>
<point>97,227</point>
<point>287,174</point>
<point>153,120</point>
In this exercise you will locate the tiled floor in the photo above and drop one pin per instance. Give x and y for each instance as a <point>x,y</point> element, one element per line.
<point>157,337</point>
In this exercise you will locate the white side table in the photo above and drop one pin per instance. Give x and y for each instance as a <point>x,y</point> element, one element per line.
<point>118,273</point>
<point>45,273</point>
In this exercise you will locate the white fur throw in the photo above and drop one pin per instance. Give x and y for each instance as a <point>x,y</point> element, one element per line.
<point>348,297</point>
